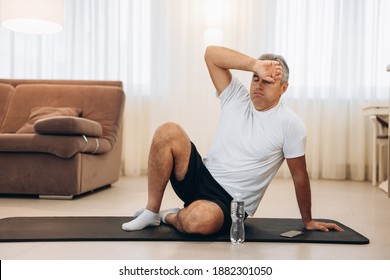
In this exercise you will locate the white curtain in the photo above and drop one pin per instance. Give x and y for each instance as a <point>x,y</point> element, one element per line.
<point>337,52</point>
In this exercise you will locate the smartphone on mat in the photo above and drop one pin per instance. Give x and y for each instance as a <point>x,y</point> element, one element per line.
<point>291,233</point>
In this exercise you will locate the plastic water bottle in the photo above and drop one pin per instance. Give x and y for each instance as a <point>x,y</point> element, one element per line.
<point>237,230</point>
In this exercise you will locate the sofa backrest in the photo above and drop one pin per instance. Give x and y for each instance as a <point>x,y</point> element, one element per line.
<point>102,102</point>
<point>5,97</point>
<point>16,82</point>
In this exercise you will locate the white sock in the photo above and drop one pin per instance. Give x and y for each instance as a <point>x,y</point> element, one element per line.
<point>139,212</point>
<point>145,219</point>
<point>165,213</point>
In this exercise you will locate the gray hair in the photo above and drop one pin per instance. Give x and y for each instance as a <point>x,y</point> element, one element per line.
<point>283,63</point>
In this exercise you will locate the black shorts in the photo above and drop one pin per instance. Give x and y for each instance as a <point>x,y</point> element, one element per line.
<point>199,184</point>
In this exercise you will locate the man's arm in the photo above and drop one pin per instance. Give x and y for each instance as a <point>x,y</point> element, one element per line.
<point>220,60</point>
<point>301,180</point>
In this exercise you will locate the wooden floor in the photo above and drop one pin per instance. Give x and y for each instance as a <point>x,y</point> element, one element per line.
<point>359,205</point>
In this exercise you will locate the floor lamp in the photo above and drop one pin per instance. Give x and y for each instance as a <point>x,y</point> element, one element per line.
<point>32,16</point>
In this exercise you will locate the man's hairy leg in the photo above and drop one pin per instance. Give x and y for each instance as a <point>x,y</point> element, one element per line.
<point>200,217</point>
<point>170,150</point>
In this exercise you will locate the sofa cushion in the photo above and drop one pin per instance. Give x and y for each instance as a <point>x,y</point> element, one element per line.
<point>68,126</point>
<point>65,146</point>
<point>46,112</point>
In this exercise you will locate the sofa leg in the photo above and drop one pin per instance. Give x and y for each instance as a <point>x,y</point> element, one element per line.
<point>59,197</point>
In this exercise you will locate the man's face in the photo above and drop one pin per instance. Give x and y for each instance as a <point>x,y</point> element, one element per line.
<point>265,95</point>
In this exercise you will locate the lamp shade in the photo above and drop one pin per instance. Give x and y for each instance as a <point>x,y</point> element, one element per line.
<point>32,16</point>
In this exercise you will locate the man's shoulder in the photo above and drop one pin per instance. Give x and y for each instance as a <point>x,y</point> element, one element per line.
<point>289,114</point>
<point>291,119</point>
<point>235,86</point>
<point>235,91</point>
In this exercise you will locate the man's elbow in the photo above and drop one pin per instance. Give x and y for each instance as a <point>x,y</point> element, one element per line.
<point>207,53</point>
<point>210,50</point>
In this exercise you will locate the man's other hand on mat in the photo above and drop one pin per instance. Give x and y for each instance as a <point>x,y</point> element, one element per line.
<point>315,225</point>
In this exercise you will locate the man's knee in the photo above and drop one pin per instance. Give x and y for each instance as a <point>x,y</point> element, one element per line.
<point>173,141</point>
<point>168,132</point>
<point>201,217</point>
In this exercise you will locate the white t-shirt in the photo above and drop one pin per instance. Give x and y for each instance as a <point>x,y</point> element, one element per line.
<point>250,145</point>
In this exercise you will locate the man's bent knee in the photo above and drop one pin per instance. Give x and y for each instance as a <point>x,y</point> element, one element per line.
<point>173,137</point>
<point>169,132</point>
<point>201,217</point>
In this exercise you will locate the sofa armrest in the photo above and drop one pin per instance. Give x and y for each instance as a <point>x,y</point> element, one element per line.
<point>65,125</point>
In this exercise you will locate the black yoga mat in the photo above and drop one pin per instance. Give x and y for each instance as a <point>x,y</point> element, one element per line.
<point>22,229</point>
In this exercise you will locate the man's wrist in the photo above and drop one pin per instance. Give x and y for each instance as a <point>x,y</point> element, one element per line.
<point>307,221</point>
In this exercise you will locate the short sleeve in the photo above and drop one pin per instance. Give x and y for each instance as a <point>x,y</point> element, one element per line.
<point>234,92</point>
<point>295,139</point>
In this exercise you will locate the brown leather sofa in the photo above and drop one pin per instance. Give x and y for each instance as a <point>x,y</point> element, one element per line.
<point>59,138</point>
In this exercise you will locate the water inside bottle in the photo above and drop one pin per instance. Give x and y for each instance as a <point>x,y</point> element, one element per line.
<point>237,230</point>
